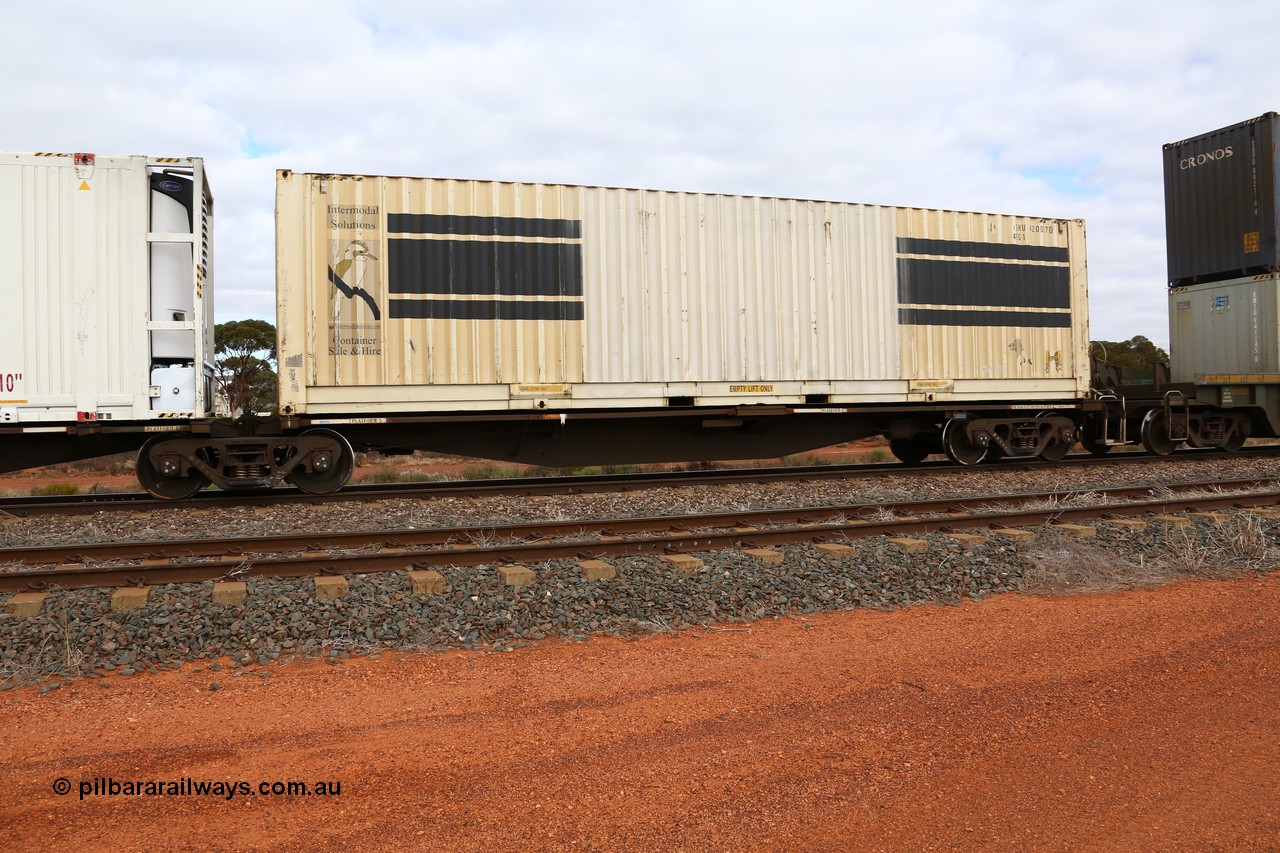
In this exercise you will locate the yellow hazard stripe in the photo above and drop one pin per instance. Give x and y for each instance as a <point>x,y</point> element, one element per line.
<point>51,154</point>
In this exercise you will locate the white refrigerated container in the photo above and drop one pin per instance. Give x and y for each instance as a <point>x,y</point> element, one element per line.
<point>107,286</point>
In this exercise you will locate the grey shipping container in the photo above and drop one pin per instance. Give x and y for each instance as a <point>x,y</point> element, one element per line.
<point>1220,191</point>
<point>1226,333</point>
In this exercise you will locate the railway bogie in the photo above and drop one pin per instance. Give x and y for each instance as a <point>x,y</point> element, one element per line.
<point>968,438</point>
<point>172,467</point>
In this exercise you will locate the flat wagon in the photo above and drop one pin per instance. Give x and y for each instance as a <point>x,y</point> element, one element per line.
<point>552,324</point>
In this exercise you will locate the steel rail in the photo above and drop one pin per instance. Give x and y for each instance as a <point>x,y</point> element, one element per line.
<point>680,541</point>
<point>576,484</point>
<point>240,547</point>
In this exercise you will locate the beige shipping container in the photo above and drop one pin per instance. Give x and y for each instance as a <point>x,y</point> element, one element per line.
<point>408,295</point>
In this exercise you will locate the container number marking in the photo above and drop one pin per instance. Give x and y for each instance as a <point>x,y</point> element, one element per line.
<point>1021,229</point>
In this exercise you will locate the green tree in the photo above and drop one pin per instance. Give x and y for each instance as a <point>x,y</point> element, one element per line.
<point>245,357</point>
<point>1136,354</point>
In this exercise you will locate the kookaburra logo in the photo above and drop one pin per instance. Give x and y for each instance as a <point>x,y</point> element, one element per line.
<point>353,260</point>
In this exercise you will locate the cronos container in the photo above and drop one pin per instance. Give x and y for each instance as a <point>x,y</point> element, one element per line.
<point>421,295</point>
<point>1220,191</point>
<point>108,289</point>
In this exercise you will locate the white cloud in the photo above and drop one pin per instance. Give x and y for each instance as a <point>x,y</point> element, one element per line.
<point>1047,109</point>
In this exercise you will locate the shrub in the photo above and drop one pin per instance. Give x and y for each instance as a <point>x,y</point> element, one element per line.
<point>876,455</point>
<point>490,471</point>
<point>56,489</point>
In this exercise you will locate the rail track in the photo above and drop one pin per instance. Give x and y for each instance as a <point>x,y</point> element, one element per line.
<point>198,560</point>
<point>22,507</point>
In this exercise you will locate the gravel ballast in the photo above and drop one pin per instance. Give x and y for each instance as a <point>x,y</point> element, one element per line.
<point>184,521</point>
<point>77,634</point>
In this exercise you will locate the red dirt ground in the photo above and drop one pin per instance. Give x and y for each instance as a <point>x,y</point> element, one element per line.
<point>1146,720</point>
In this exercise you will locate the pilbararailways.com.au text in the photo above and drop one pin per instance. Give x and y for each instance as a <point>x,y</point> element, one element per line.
<point>226,789</point>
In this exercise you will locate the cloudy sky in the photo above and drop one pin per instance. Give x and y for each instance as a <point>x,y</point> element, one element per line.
<point>1045,109</point>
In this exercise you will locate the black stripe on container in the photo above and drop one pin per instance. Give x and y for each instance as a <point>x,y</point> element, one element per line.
<point>451,309</point>
<point>482,226</point>
<point>971,249</point>
<point>935,282</point>
<point>475,268</point>
<point>960,317</point>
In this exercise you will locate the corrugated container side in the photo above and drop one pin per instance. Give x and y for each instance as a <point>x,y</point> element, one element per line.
<point>403,294</point>
<point>75,243</point>
<point>706,289</point>
<point>1220,203</point>
<point>993,297</point>
<point>1226,329</point>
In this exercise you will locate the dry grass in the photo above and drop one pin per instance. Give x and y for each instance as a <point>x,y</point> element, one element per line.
<point>1055,503</point>
<point>488,470</point>
<point>1058,563</point>
<point>881,515</point>
<point>1238,544</point>
<point>384,475</point>
<point>56,651</point>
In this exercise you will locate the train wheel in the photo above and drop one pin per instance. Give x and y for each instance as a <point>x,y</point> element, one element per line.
<point>330,471</point>
<point>1091,439</point>
<point>1095,447</point>
<point>1231,445</point>
<point>957,447</point>
<point>911,451</point>
<point>1194,439</point>
<point>1155,434</point>
<point>1054,450</point>
<point>166,486</point>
